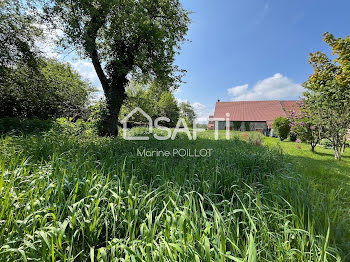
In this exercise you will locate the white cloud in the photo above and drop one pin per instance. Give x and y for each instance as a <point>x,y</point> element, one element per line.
<point>277,87</point>
<point>86,70</point>
<point>237,90</point>
<point>202,112</point>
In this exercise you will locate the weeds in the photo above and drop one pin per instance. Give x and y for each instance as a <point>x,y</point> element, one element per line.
<point>68,198</point>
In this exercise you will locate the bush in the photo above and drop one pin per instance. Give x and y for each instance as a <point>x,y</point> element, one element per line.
<point>281,127</point>
<point>53,90</point>
<point>247,126</point>
<point>67,126</point>
<point>326,143</point>
<point>245,136</point>
<point>293,136</point>
<point>23,126</point>
<point>144,131</point>
<point>255,138</point>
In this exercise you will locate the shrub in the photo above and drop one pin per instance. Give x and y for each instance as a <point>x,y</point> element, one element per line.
<point>245,136</point>
<point>55,90</point>
<point>67,126</point>
<point>237,125</point>
<point>281,127</point>
<point>247,126</point>
<point>23,126</point>
<point>293,136</point>
<point>255,138</point>
<point>326,143</point>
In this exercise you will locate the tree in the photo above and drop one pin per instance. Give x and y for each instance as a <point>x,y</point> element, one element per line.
<point>124,39</point>
<point>52,90</point>
<point>304,126</point>
<point>281,127</point>
<point>328,92</point>
<point>168,108</point>
<point>187,112</point>
<point>17,36</point>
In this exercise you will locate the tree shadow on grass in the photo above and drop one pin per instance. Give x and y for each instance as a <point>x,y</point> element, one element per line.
<point>330,154</point>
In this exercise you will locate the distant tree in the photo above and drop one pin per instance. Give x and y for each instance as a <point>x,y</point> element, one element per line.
<point>187,112</point>
<point>328,92</point>
<point>305,127</point>
<point>124,39</point>
<point>281,127</point>
<point>53,90</point>
<point>168,108</point>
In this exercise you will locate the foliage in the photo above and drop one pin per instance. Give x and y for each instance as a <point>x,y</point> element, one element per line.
<point>328,92</point>
<point>293,137</point>
<point>17,35</point>
<point>326,143</point>
<point>255,138</point>
<point>54,90</point>
<point>168,108</point>
<point>67,197</point>
<point>23,126</point>
<point>247,126</point>
<point>304,125</point>
<point>138,39</point>
<point>237,125</point>
<point>144,131</point>
<point>68,127</point>
<point>281,127</point>
<point>187,112</point>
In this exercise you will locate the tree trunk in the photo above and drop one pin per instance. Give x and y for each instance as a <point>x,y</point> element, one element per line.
<point>337,154</point>
<point>114,99</point>
<point>344,145</point>
<point>313,148</point>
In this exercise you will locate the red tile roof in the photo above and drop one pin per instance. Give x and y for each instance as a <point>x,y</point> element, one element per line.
<point>265,111</point>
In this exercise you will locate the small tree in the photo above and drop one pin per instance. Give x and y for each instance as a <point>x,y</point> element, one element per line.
<point>168,108</point>
<point>281,127</point>
<point>328,92</point>
<point>187,112</point>
<point>304,126</point>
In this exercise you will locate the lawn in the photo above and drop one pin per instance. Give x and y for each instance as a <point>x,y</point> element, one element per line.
<point>75,196</point>
<point>328,176</point>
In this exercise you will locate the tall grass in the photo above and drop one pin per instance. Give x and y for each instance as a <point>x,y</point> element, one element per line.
<point>85,198</point>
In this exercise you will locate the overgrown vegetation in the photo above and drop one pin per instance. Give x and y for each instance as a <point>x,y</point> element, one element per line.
<point>67,196</point>
<point>281,126</point>
<point>53,89</point>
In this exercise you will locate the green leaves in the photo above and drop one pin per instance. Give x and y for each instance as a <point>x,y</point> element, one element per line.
<point>328,92</point>
<point>281,127</point>
<point>55,90</point>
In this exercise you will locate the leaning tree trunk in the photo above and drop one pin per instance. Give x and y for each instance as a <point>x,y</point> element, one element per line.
<point>114,98</point>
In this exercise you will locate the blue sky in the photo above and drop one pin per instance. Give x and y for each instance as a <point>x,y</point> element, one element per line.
<point>249,49</point>
<point>259,46</point>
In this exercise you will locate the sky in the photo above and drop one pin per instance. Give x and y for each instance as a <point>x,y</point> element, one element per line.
<point>248,49</point>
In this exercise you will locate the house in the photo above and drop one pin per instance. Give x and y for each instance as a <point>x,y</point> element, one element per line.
<point>251,115</point>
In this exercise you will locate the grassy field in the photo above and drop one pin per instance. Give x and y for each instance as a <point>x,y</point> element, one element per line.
<point>329,177</point>
<point>71,197</point>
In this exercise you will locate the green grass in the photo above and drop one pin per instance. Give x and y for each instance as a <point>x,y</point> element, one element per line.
<point>83,198</point>
<point>329,177</point>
